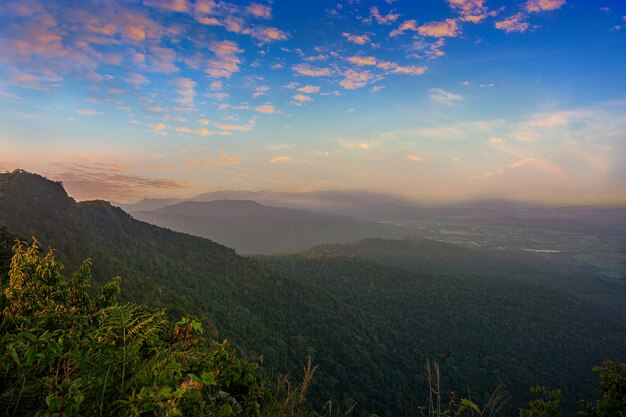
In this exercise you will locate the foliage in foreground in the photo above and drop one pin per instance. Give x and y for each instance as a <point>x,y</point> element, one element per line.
<point>66,352</point>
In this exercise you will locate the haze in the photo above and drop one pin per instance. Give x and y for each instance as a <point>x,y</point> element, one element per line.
<point>435,101</point>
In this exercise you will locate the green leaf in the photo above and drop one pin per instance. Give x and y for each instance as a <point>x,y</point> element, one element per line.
<point>54,403</point>
<point>209,378</point>
<point>225,410</point>
<point>469,404</point>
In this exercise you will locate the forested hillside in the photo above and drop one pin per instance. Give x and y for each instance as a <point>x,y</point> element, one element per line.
<point>369,327</point>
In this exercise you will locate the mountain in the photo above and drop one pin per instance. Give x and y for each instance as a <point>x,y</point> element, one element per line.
<point>368,326</point>
<point>147,204</point>
<point>355,203</point>
<point>250,227</point>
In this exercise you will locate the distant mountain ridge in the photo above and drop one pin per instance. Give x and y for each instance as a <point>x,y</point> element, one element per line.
<point>250,227</point>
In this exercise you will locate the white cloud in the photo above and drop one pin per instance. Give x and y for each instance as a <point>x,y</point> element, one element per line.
<point>444,97</point>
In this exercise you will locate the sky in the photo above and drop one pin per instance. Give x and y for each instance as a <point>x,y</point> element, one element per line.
<point>437,100</point>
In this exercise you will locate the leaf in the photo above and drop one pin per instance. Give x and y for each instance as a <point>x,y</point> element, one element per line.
<point>225,410</point>
<point>469,404</point>
<point>209,378</point>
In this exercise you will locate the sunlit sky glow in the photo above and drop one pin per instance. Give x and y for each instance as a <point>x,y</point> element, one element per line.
<point>434,100</point>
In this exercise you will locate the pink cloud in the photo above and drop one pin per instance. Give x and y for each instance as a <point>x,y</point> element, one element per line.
<point>162,60</point>
<point>108,181</point>
<point>362,60</point>
<point>186,91</point>
<point>357,39</point>
<point>449,28</point>
<point>382,19</point>
<point>305,69</point>
<point>355,79</point>
<point>226,61</point>
<point>309,89</point>
<point>301,98</point>
<point>259,10</point>
<point>541,5</point>
<point>428,50</point>
<point>136,79</point>
<point>513,23</point>
<point>395,68</point>
<point>268,34</point>
<point>470,10</point>
<point>266,108</point>
<point>171,5</point>
<point>238,128</point>
<point>410,25</point>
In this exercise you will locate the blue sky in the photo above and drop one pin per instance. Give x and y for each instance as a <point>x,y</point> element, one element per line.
<point>435,100</point>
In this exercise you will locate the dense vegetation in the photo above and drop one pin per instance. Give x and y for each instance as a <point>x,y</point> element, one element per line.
<point>66,352</point>
<point>369,327</point>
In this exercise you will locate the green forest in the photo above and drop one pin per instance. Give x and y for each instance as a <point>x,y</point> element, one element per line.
<point>153,342</point>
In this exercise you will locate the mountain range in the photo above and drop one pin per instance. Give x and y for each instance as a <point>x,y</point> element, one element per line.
<point>369,323</point>
<point>250,227</point>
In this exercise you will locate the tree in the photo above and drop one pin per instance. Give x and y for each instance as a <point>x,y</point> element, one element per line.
<point>612,390</point>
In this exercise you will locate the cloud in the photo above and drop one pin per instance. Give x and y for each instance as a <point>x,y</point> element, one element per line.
<point>410,25</point>
<point>266,108</point>
<point>108,181</point>
<point>278,146</point>
<point>449,28</point>
<point>359,145</point>
<point>413,157</point>
<point>395,68</point>
<point>513,23</point>
<point>222,160</point>
<point>171,5</point>
<point>136,79</point>
<point>309,89</point>
<point>362,60</point>
<point>470,10</point>
<point>521,162</point>
<point>238,128</point>
<point>159,128</point>
<point>88,112</point>
<point>355,79</point>
<point>259,10</point>
<point>162,59</point>
<point>534,6</point>
<point>306,69</point>
<point>357,39</point>
<point>286,160</point>
<point>428,50</point>
<point>43,81</point>
<point>377,88</point>
<point>226,61</point>
<point>301,98</point>
<point>201,131</point>
<point>387,19</point>
<point>496,141</point>
<point>186,91</point>
<point>268,34</point>
<point>444,97</point>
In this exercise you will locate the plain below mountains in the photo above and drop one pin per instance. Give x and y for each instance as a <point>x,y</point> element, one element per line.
<point>250,227</point>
